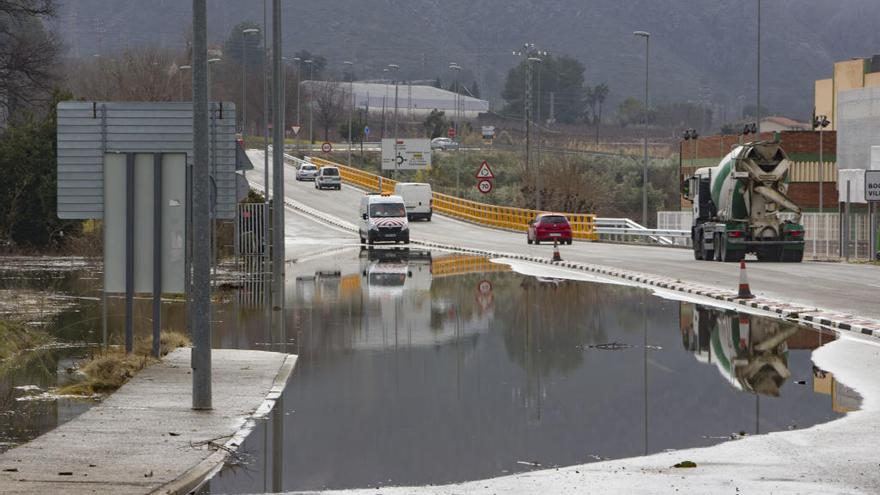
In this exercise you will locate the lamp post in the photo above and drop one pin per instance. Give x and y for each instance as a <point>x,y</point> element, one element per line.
<point>244,33</point>
<point>211,61</point>
<point>309,62</point>
<point>647,36</point>
<point>351,102</point>
<point>688,135</point>
<point>181,69</point>
<point>457,69</point>
<point>820,122</point>
<point>758,108</point>
<point>532,54</point>
<point>395,69</point>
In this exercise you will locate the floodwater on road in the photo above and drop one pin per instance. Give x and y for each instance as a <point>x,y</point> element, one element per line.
<point>425,368</point>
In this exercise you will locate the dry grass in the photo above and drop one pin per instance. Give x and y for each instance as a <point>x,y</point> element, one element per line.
<point>109,369</point>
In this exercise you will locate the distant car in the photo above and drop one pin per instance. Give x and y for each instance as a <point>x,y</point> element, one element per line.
<point>306,171</point>
<point>328,177</point>
<point>418,199</point>
<point>549,227</point>
<point>443,143</point>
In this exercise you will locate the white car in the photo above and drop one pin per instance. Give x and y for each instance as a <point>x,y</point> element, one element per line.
<point>383,218</point>
<point>417,197</point>
<point>306,171</point>
<point>328,178</point>
<point>443,143</point>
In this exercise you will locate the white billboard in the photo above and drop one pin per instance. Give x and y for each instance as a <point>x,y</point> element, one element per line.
<point>406,154</point>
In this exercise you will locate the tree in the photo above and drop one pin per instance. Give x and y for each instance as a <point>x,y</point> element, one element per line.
<point>28,55</point>
<point>319,63</point>
<point>141,74</point>
<point>436,124</point>
<point>328,102</point>
<point>28,201</point>
<point>437,83</point>
<point>357,128</point>
<point>600,93</point>
<point>630,111</point>
<point>563,76</point>
<point>238,43</point>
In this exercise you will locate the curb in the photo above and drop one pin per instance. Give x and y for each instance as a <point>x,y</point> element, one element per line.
<point>193,478</point>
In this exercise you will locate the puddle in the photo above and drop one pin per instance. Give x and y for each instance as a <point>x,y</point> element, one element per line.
<point>427,368</point>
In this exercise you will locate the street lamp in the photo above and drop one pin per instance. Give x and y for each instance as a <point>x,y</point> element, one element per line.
<point>688,135</point>
<point>298,69</point>
<point>210,62</point>
<point>531,54</point>
<point>647,36</point>
<point>181,69</point>
<point>244,33</point>
<point>395,68</point>
<point>350,65</point>
<point>758,108</point>
<point>457,69</point>
<point>820,122</point>
<point>309,62</point>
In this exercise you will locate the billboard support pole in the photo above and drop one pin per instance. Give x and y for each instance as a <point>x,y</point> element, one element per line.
<point>129,252</point>
<point>157,251</point>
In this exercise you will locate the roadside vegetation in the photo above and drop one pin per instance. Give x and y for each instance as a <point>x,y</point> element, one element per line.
<point>16,339</point>
<point>109,369</point>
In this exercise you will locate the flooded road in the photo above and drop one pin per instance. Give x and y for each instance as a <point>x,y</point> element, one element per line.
<point>425,368</point>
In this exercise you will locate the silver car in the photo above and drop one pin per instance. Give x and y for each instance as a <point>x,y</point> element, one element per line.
<point>306,171</point>
<point>443,143</point>
<point>328,178</point>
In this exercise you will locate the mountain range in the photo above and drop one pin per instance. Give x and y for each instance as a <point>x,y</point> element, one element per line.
<point>703,51</point>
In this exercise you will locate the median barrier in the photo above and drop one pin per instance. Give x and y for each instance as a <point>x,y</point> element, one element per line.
<point>583,225</point>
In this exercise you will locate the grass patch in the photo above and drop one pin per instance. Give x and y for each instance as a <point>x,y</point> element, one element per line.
<point>109,369</point>
<point>16,338</point>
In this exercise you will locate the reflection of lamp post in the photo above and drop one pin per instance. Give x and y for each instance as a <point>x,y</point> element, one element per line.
<point>647,36</point>
<point>244,33</point>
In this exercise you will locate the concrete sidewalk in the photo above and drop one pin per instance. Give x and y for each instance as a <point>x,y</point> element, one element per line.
<point>145,438</point>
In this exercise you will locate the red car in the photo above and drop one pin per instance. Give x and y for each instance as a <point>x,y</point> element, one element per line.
<point>549,227</point>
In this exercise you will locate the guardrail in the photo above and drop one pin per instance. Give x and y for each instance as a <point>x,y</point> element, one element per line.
<point>505,217</point>
<point>626,230</point>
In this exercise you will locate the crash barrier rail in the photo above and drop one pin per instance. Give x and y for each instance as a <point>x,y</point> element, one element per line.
<point>821,233</point>
<point>626,230</point>
<point>505,217</point>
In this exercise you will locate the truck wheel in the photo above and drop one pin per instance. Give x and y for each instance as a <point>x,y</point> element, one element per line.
<point>698,251</point>
<point>717,242</point>
<point>792,256</point>
<point>708,254</point>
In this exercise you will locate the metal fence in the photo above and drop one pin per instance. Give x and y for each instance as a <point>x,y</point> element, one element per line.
<point>822,233</point>
<point>252,252</point>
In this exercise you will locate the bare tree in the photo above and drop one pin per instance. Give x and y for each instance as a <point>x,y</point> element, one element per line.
<point>28,54</point>
<point>328,99</point>
<point>143,74</point>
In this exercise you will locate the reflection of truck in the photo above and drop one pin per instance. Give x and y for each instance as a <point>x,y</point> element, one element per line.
<point>740,206</point>
<point>751,353</point>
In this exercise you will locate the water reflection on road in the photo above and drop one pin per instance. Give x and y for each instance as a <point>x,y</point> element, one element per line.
<point>419,367</point>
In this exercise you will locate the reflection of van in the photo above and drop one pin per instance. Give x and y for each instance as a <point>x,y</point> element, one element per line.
<point>417,198</point>
<point>389,272</point>
<point>383,218</point>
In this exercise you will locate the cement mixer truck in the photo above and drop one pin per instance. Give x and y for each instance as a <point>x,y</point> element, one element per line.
<point>740,206</point>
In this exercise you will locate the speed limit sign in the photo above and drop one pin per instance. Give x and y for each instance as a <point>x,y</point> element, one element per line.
<point>326,147</point>
<point>484,186</point>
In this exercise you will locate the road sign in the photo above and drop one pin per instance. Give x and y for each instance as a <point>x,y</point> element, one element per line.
<point>484,287</point>
<point>326,147</point>
<point>484,186</point>
<point>366,130</point>
<point>872,185</point>
<point>295,129</point>
<point>451,133</point>
<point>484,172</point>
<point>406,154</point>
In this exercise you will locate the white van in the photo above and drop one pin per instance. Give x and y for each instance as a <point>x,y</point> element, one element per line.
<point>417,198</point>
<point>383,218</point>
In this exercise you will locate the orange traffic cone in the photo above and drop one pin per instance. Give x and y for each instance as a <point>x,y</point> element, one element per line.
<point>556,256</point>
<point>744,291</point>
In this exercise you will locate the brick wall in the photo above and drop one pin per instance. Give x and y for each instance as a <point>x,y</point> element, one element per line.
<point>800,145</point>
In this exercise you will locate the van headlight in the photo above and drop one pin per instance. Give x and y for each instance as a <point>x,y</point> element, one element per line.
<point>405,227</point>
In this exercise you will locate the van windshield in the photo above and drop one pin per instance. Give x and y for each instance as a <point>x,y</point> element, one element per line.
<point>386,210</point>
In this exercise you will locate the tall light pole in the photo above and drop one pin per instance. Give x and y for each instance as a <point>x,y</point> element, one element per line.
<point>267,260</point>
<point>181,69</point>
<point>298,99</point>
<point>758,108</point>
<point>201,257</point>
<point>278,268</point>
<point>310,62</point>
<point>211,61</point>
<point>395,69</point>
<point>350,65</point>
<point>820,122</point>
<point>456,69</point>
<point>532,54</point>
<point>244,33</point>
<point>647,36</point>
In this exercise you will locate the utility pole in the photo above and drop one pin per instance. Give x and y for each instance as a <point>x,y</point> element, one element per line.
<point>201,255</point>
<point>266,189</point>
<point>278,268</point>
<point>395,68</point>
<point>457,69</point>
<point>647,36</point>
<point>350,106</point>
<point>244,33</point>
<point>532,54</point>
<point>309,62</point>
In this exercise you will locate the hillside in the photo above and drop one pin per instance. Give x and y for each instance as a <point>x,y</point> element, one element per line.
<point>698,55</point>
